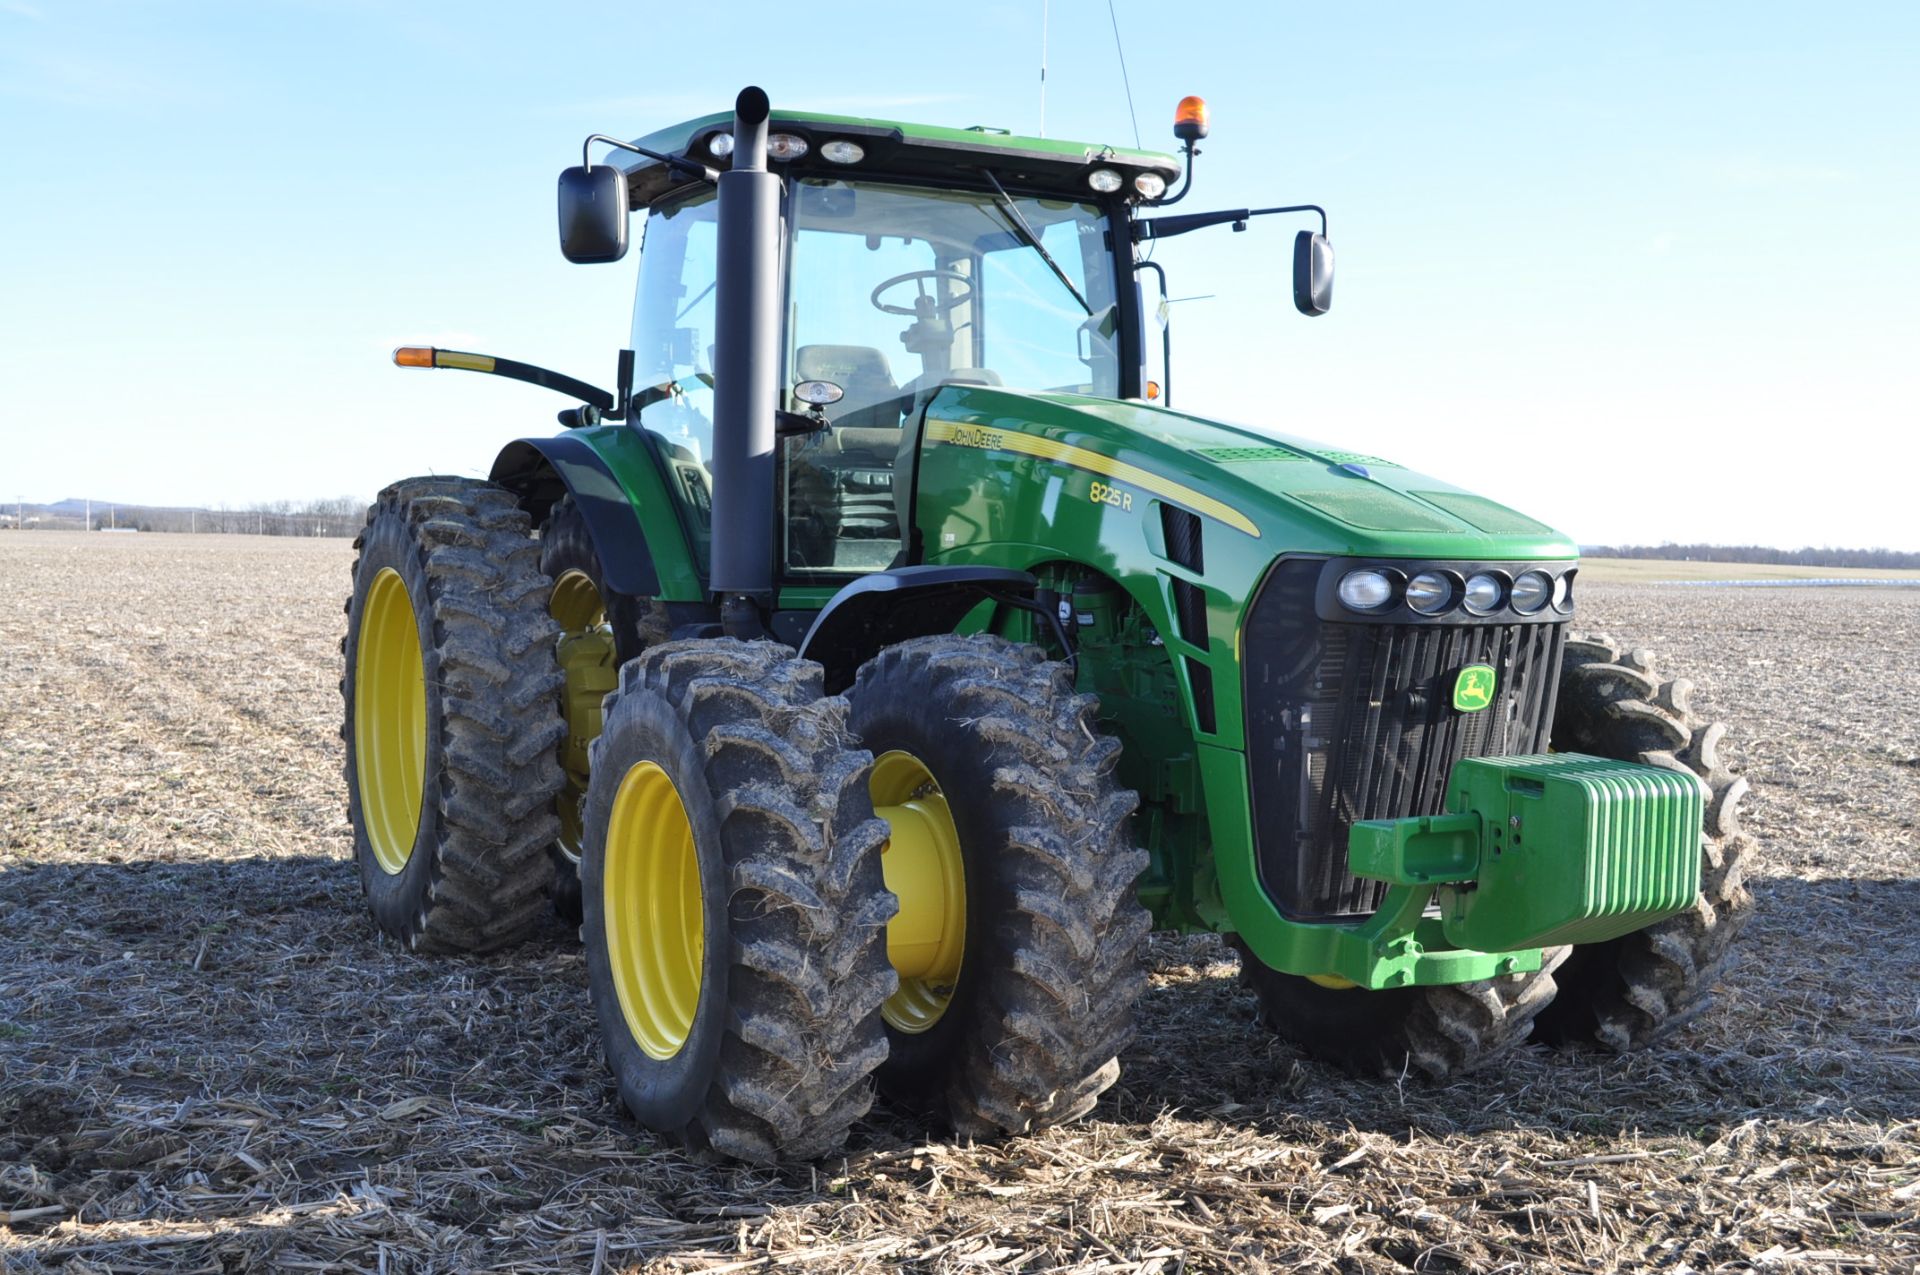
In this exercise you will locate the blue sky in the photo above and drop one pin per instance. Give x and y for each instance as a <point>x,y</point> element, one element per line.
<point>1648,272</point>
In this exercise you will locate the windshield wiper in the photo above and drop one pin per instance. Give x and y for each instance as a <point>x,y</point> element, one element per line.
<point>1033,241</point>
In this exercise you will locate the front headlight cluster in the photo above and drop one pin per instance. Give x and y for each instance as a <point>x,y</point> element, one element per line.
<point>1433,591</point>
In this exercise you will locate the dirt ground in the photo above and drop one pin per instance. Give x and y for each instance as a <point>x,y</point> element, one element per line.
<point>208,1061</point>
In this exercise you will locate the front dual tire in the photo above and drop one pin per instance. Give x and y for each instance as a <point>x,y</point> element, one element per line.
<point>735,906</point>
<point>777,921</point>
<point>1019,980</point>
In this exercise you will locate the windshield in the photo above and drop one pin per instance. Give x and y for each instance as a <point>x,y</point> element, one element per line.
<point>893,292</point>
<point>900,289</point>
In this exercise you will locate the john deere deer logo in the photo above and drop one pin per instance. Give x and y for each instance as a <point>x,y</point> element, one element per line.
<point>1473,689</point>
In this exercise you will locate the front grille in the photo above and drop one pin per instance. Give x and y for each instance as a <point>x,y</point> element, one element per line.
<point>1351,721</point>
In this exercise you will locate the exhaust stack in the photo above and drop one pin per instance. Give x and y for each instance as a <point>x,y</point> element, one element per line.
<point>746,369</point>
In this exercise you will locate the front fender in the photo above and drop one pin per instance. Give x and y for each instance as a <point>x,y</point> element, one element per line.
<point>885,607</point>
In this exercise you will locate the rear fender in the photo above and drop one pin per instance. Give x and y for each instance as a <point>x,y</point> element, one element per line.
<point>540,471</point>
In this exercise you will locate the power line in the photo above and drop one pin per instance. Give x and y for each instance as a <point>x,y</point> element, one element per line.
<point>1118,48</point>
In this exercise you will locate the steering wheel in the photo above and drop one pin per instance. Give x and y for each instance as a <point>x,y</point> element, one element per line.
<point>939,309</point>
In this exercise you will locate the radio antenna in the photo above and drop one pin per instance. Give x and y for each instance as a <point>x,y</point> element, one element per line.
<point>1043,67</point>
<point>1118,48</point>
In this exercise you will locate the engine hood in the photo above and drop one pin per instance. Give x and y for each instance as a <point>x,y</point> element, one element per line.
<point>1293,494</point>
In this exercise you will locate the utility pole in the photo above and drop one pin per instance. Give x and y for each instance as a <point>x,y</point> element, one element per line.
<point>89,513</point>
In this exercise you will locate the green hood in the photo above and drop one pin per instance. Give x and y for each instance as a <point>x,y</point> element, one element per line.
<point>1301,496</point>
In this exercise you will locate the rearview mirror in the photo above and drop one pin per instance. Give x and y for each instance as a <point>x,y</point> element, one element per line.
<point>593,214</point>
<point>1312,274</point>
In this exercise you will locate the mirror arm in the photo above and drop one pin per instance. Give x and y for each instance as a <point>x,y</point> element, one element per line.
<point>1166,334</point>
<point>798,424</point>
<point>1180,224</point>
<point>701,171</point>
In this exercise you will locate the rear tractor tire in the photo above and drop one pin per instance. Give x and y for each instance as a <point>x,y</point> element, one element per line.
<point>600,630</point>
<point>736,912</point>
<point>451,729</point>
<point>1018,943</point>
<point>1631,991</point>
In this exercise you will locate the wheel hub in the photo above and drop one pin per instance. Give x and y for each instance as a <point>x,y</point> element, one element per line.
<point>655,915</point>
<point>926,940</point>
<point>390,721</point>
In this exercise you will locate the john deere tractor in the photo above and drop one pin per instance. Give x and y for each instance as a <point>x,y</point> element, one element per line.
<point>884,657</point>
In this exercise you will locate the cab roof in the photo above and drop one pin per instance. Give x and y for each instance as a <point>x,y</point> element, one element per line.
<point>1039,165</point>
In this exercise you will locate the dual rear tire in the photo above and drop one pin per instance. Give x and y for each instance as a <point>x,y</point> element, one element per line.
<point>450,724</point>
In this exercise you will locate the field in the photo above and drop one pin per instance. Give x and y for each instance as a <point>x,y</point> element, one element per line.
<point>209,1062</point>
<point>1650,570</point>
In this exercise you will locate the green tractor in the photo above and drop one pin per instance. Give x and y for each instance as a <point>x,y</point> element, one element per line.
<point>883,658</point>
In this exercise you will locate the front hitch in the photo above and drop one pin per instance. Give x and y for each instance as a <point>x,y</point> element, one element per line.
<point>1543,850</point>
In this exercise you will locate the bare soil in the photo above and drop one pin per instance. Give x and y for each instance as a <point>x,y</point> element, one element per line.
<point>208,1061</point>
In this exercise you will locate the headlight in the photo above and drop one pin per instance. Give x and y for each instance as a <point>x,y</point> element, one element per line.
<point>720,145</point>
<point>1104,180</point>
<point>841,151</point>
<point>1150,185</point>
<point>1483,593</point>
<point>1429,593</point>
<point>1531,589</point>
<point>786,146</point>
<point>1563,592</point>
<point>1366,590</point>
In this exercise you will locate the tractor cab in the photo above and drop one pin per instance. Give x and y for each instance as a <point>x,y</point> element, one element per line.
<point>892,290</point>
<point>875,265</point>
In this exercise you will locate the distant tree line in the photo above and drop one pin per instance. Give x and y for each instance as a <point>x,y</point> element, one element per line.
<point>335,516</point>
<point>1873,559</point>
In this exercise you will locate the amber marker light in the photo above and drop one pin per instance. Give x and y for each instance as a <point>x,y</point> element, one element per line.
<point>413,356</point>
<point>1153,391</point>
<point>1190,119</point>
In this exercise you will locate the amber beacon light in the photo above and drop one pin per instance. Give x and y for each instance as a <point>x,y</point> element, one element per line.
<point>414,356</point>
<point>1190,119</point>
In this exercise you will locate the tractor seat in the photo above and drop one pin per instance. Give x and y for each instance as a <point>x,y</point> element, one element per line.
<point>872,400</point>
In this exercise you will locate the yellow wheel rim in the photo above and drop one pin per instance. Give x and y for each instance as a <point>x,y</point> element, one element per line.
<point>389,721</point>
<point>926,940</point>
<point>655,926</point>
<point>590,666</point>
<point>1332,982</point>
<point>575,603</point>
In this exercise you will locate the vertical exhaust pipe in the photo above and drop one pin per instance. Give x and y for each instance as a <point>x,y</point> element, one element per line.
<point>746,369</point>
